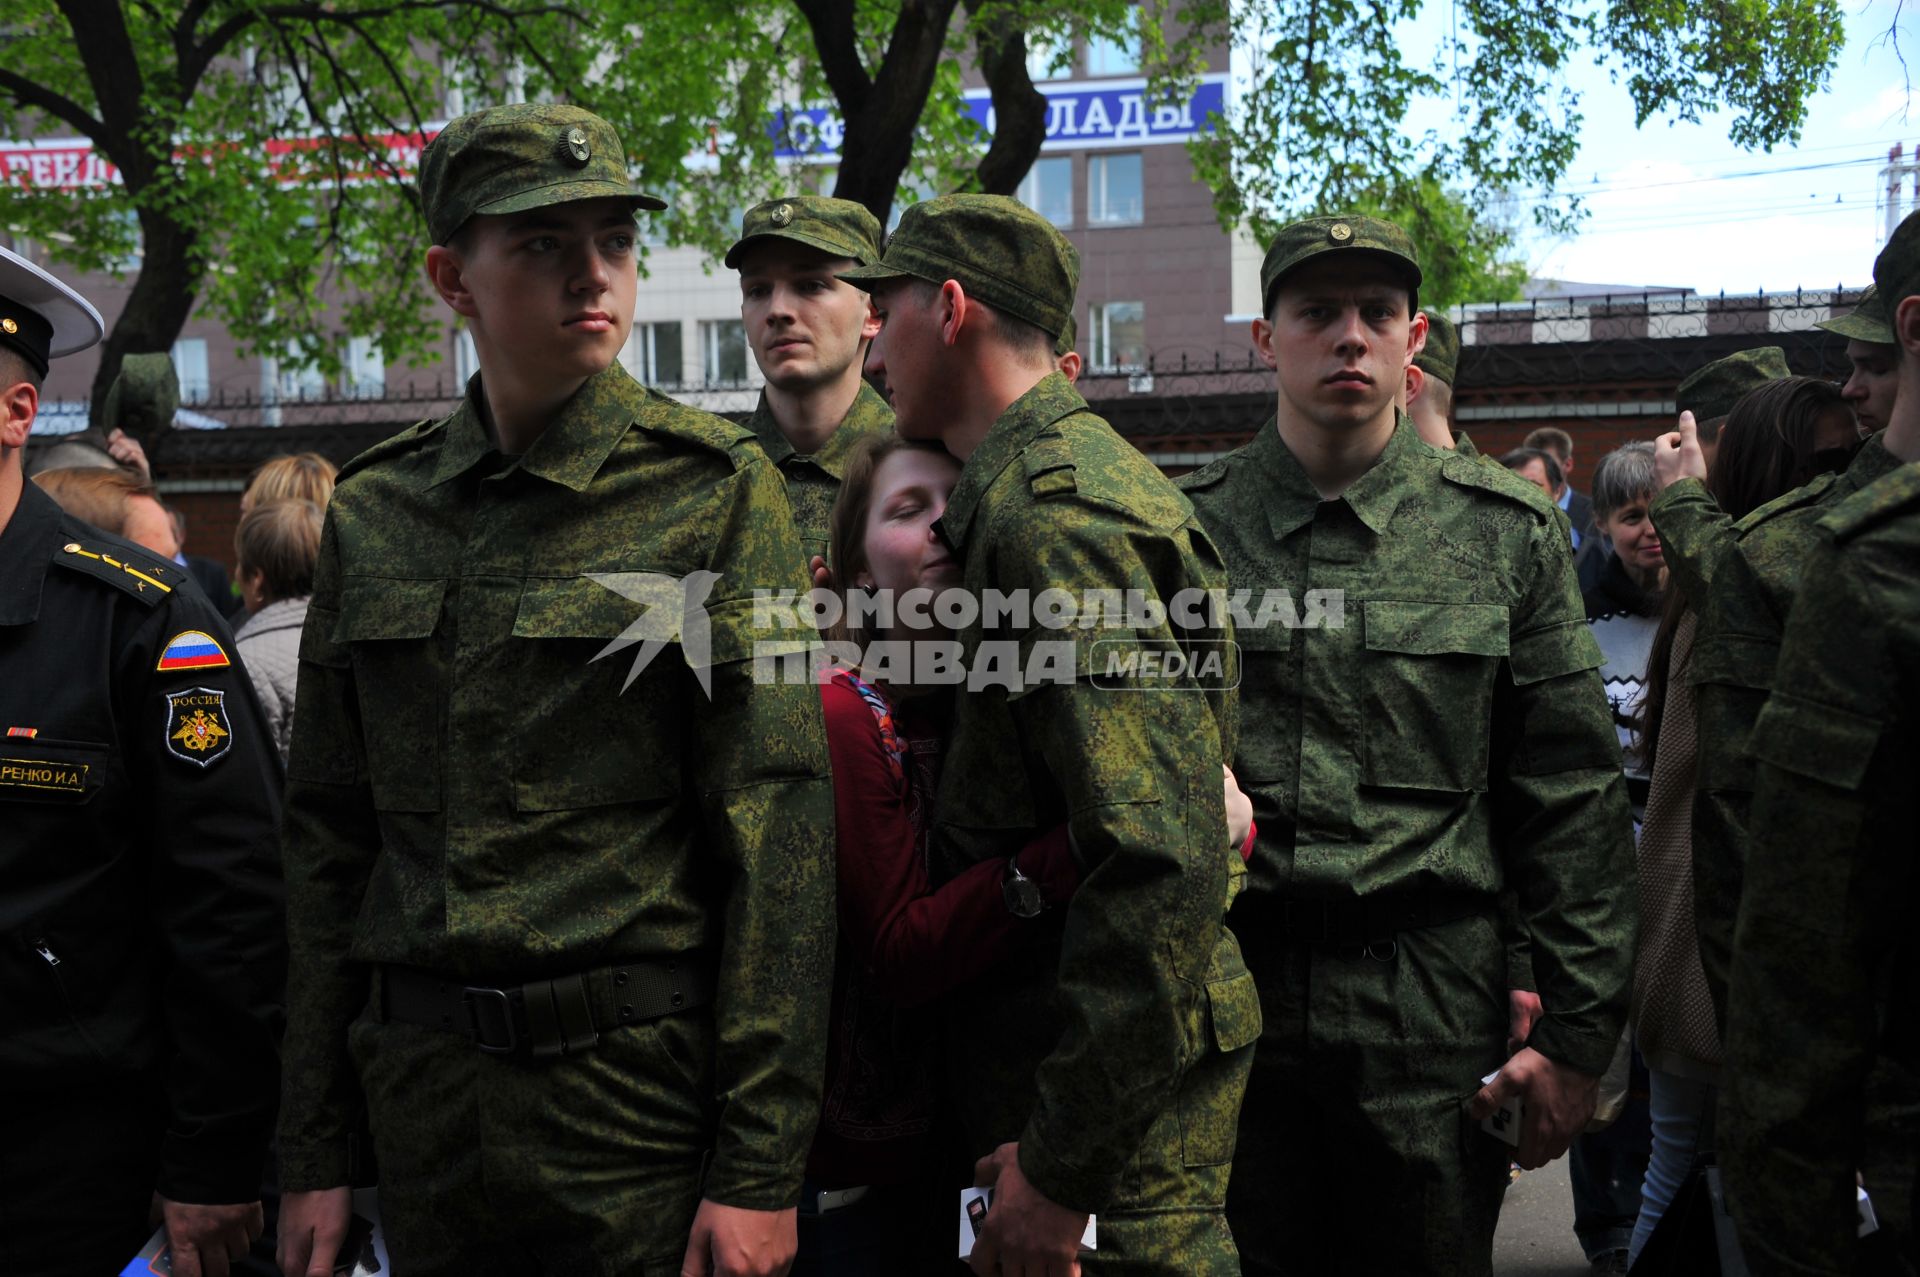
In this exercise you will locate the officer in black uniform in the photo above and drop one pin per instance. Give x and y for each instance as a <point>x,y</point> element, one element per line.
<point>142,937</point>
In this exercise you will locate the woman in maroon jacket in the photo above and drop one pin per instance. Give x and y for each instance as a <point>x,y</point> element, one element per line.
<point>877,1200</point>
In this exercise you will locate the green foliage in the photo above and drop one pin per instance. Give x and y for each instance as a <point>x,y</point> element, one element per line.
<point>1342,113</point>
<point>302,248</point>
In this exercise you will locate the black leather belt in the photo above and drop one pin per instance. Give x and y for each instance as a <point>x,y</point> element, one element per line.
<point>545,1017</point>
<point>1372,919</point>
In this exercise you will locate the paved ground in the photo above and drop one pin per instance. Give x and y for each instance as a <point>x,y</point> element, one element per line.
<point>1536,1228</point>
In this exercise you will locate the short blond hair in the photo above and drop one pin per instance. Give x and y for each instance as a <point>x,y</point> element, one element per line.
<point>300,476</point>
<point>93,494</point>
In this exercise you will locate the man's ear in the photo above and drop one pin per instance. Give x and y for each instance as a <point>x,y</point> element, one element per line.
<point>958,310</point>
<point>446,272</point>
<point>1906,325</point>
<point>1416,334</point>
<point>1263,343</point>
<point>870,326</point>
<point>1416,381</point>
<point>19,403</point>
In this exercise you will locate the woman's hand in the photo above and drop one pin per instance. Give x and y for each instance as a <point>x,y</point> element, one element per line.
<point>1239,811</point>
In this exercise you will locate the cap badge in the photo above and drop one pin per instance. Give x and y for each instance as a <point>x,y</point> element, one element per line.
<point>1340,232</point>
<point>781,215</point>
<point>8,326</point>
<point>577,147</point>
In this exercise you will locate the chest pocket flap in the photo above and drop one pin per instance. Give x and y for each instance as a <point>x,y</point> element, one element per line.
<point>374,608</point>
<point>1437,629</point>
<point>583,607</point>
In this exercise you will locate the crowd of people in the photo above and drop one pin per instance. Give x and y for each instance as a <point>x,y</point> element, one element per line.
<point>484,863</point>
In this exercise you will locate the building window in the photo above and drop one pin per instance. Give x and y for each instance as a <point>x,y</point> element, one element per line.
<point>1119,336</point>
<point>1047,189</point>
<point>723,346</point>
<point>1114,190</point>
<point>365,373</point>
<point>1107,56</point>
<point>297,379</point>
<point>653,354</point>
<point>1048,57</point>
<point>190,366</point>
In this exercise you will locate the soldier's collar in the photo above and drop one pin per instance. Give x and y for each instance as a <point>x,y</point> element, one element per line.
<point>1375,495</point>
<point>1292,498</point>
<point>576,445</point>
<point>868,414</point>
<point>464,440</point>
<point>1050,400</point>
<point>570,451</point>
<point>27,545</point>
<point>1872,461</point>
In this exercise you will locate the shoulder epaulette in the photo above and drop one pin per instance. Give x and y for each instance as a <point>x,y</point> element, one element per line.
<point>671,417</point>
<point>1808,493</point>
<point>1050,469</point>
<point>1885,497</point>
<point>141,575</point>
<point>406,441</point>
<point>1473,472</point>
<point>1208,475</point>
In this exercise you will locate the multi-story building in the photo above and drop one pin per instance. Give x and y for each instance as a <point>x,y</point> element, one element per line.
<point>1159,276</point>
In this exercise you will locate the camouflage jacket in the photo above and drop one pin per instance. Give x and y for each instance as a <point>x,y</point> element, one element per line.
<point>473,791</point>
<point>1733,659</point>
<point>813,482</point>
<point>1450,731</point>
<point>1076,1046</point>
<point>1824,967</point>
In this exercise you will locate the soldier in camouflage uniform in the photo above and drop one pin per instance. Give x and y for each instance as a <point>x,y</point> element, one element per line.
<point>1100,1069</point>
<point>1430,391</point>
<point>808,332</point>
<point>1449,738</point>
<point>1821,1026</point>
<point>1874,359</point>
<point>567,942</point>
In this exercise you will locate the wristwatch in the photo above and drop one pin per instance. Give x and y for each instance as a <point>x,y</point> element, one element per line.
<point>1022,893</point>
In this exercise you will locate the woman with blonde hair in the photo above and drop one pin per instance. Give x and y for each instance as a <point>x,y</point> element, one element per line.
<point>299,476</point>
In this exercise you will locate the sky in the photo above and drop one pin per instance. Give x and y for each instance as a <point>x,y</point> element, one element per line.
<point>1680,205</point>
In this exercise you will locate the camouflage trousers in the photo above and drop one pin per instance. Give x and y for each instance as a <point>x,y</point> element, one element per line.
<point>587,1164</point>
<point>1169,1219</point>
<point>1356,1154</point>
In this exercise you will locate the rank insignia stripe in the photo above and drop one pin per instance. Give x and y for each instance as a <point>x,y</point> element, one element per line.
<point>198,730</point>
<point>191,650</point>
<point>23,733</point>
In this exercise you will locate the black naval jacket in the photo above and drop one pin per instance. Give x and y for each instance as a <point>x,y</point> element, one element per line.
<point>142,927</point>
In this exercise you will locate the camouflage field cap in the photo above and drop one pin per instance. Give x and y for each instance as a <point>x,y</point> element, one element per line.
<point>509,159</point>
<point>838,228</point>
<point>1442,353</point>
<point>1299,242</point>
<point>1711,392</point>
<point>1868,321</point>
<point>1896,272</point>
<point>1064,344</point>
<point>144,397</point>
<point>999,250</point>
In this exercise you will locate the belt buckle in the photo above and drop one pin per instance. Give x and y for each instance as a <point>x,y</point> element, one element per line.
<point>828,1200</point>
<point>472,997</point>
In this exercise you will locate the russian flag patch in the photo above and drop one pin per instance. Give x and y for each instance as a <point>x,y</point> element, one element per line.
<point>191,650</point>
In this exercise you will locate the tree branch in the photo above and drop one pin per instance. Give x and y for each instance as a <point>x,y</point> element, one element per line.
<point>40,98</point>
<point>838,44</point>
<point>223,35</point>
<point>1019,109</point>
